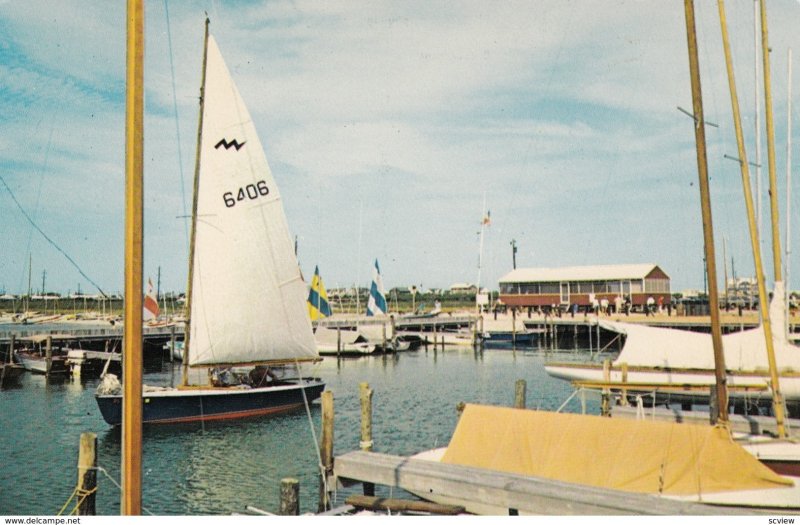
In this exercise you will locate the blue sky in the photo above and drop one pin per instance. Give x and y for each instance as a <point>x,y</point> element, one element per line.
<point>385,124</point>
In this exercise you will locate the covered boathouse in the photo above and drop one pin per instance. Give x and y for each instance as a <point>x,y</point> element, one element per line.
<point>579,284</point>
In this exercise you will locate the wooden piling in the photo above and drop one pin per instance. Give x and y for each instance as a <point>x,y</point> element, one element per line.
<point>338,341</point>
<point>605,397</point>
<point>326,450</point>
<point>48,354</point>
<point>366,428</point>
<point>290,497</point>
<point>172,344</point>
<point>520,391</point>
<point>87,474</point>
<point>713,406</point>
<point>366,416</point>
<point>513,327</point>
<point>624,400</point>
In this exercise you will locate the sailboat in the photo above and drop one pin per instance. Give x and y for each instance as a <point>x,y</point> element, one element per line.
<point>663,459</point>
<point>246,294</point>
<point>376,305</point>
<point>150,309</point>
<point>318,305</point>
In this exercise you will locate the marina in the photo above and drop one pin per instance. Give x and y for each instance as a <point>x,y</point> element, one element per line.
<point>188,467</point>
<point>596,378</point>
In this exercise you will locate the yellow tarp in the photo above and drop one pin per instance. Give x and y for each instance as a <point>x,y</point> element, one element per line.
<point>636,456</point>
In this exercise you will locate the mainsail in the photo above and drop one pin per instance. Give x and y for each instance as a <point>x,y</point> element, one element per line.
<point>150,309</point>
<point>248,297</point>
<point>377,298</point>
<point>318,306</point>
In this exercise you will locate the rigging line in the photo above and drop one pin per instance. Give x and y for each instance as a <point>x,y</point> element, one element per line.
<point>311,425</point>
<point>38,195</point>
<point>177,126</point>
<point>48,239</point>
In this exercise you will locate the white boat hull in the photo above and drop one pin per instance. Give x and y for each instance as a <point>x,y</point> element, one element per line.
<point>741,385</point>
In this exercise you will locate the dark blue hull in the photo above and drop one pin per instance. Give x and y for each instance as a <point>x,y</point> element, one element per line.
<point>209,404</point>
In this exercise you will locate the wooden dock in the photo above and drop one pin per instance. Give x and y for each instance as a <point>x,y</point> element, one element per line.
<point>506,494</point>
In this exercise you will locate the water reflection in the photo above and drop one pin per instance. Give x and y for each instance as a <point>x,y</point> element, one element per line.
<point>220,467</point>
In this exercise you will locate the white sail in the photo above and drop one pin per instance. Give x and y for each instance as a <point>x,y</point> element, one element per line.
<point>248,301</point>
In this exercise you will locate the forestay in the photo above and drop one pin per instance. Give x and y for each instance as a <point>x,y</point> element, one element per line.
<point>248,297</point>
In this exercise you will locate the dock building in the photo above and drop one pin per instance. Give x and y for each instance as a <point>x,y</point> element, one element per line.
<point>580,284</point>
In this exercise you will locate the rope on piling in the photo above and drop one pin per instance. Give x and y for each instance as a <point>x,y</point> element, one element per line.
<point>82,494</point>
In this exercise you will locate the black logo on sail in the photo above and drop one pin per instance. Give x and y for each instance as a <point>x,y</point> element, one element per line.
<point>228,145</point>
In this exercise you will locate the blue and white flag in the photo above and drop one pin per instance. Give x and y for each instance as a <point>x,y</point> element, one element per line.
<point>377,298</point>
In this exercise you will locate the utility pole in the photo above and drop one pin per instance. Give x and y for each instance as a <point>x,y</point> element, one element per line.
<point>44,277</point>
<point>514,253</point>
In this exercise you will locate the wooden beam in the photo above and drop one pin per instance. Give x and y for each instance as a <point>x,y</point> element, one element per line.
<point>502,492</point>
<point>402,505</point>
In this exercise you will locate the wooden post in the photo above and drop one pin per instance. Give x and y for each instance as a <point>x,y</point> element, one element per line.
<point>520,393</point>
<point>290,497</point>
<point>366,428</point>
<point>383,331</point>
<point>434,337</point>
<point>713,406</point>
<point>366,416</point>
<point>172,344</point>
<point>49,354</point>
<point>624,400</point>
<point>338,341</point>
<point>87,474</point>
<point>513,327</point>
<point>326,450</point>
<point>605,408</point>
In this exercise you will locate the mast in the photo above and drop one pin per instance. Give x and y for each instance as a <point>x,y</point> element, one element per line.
<point>757,101</point>
<point>788,183</point>
<point>193,234</point>
<point>480,255</point>
<point>132,355</point>
<point>30,268</point>
<point>705,205</point>
<point>773,184</point>
<point>763,300</point>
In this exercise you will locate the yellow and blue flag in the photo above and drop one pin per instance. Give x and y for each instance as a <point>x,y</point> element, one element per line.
<point>318,306</point>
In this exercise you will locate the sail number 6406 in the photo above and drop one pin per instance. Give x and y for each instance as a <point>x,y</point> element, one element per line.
<point>249,192</point>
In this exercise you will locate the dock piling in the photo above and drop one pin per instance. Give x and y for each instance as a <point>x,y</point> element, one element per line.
<point>290,497</point>
<point>605,397</point>
<point>326,450</point>
<point>48,355</point>
<point>366,428</point>
<point>87,474</point>
<point>520,391</point>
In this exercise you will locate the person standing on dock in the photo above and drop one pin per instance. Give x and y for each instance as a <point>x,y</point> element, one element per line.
<point>617,304</point>
<point>650,306</point>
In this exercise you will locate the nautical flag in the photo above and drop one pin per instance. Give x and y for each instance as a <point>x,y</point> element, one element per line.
<point>377,298</point>
<point>487,220</point>
<point>318,306</point>
<point>150,310</point>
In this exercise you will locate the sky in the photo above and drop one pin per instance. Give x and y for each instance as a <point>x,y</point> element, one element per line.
<point>387,126</point>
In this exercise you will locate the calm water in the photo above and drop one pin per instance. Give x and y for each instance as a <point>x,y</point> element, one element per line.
<point>220,468</point>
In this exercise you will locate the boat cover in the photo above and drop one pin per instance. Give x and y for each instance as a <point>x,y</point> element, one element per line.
<point>649,457</point>
<point>680,349</point>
